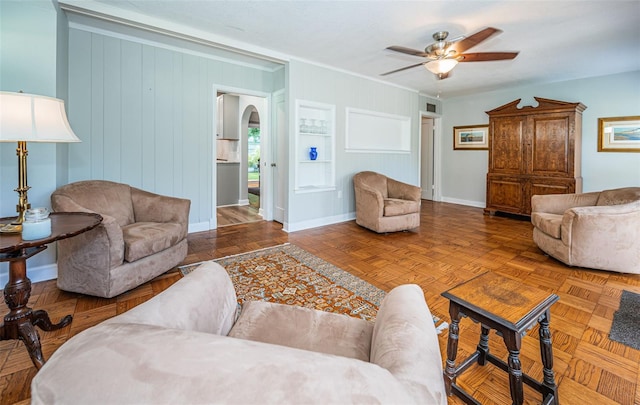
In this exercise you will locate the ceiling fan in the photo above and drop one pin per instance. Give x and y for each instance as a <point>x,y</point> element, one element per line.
<point>442,56</point>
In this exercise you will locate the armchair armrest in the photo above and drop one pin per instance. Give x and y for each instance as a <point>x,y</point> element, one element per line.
<point>593,226</point>
<point>604,237</point>
<point>150,207</point>
<point>559,203</point>
<point>106,240</point>
<point>369,202</point>
<point>403,191</point>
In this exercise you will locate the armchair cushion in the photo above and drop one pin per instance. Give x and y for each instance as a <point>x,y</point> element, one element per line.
<point>143,239</point>
<point>547,223</point>
<point>394,207</point>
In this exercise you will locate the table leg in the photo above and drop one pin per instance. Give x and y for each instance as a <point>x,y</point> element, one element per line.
<point>21,320</point>
<point>483,346</point>
<point>513,340</point>
<point>546,353</point>
<point>452,348</point>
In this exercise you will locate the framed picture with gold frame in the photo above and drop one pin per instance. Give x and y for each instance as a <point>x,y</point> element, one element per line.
<point>619,134</point>
<point>471,137</point>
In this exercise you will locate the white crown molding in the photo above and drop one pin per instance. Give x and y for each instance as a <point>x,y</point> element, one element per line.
<point>110,13</point>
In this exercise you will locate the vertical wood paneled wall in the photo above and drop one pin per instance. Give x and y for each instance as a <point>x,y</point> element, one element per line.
<point>145,115</point>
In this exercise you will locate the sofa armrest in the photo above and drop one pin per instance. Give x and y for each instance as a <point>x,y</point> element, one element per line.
<point>150,207</point>
<point>203,301</point>
<point>559,203</point>
<point>405,342</point>
<point>403,191</point>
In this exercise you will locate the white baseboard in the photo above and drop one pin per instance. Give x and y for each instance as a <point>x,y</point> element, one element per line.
<point>199,227</point>
<point>478,204</point>
<point>35,274</point>
<point>314,223</point>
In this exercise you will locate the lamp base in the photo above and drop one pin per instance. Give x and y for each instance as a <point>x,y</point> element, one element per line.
<point>10,228</point>
<point>23,187</point>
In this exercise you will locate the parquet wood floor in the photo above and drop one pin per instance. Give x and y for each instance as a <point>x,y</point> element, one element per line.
<point>237,214</point>
<point>453,244</point>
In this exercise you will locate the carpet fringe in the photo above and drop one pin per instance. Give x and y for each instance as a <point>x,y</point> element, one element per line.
<point>235,255</point>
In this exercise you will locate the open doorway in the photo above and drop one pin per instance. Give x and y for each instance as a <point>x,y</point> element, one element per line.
<point>240,185</point>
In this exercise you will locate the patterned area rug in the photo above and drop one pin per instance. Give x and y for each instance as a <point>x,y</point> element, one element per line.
<point>626,320</point>
<point>287,274</point>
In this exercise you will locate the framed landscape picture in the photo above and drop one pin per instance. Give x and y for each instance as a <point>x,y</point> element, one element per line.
<point>471,137</point>
<point>619,134</point>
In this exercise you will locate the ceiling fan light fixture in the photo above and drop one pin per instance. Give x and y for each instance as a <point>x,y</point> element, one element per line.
<point>441,66</point>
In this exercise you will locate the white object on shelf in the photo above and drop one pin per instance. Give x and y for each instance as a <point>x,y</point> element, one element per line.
<point>315,127</point>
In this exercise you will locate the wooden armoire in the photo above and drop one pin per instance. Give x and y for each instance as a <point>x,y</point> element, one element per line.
<point>533,150</point>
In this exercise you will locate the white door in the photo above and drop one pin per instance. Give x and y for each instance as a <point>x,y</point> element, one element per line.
<point>280,153</point>
<point>427,160</point>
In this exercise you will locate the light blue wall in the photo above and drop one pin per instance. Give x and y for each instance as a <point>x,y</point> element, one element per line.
<point>145,115</point>
<point>28,61</point>
<point>464,172</point>
<point>317,84</point>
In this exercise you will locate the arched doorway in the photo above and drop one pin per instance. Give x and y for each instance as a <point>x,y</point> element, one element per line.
<point>253,158</point>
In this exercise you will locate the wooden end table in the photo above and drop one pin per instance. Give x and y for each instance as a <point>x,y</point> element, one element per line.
<point>510,308</point>
<point>21,320</point>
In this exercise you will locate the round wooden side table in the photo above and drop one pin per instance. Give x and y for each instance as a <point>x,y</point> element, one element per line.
<point>21,320</point>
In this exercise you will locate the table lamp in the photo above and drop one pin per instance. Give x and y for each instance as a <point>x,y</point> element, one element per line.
<point>31,118</point>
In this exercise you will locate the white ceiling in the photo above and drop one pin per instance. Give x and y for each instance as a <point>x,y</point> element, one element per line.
<point>558,40</point>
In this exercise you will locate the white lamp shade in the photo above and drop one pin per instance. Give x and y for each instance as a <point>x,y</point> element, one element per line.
<point>440,66</point>
<point>33,118</point>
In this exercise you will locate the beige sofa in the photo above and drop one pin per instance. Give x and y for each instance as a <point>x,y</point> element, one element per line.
<point>142,235</point>
<point>185,346</point>
<point>384,204</point>
<point>598,230</point>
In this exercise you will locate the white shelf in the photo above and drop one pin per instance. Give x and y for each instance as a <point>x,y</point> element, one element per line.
<point>315,175</point>
<point>314,189</point>
<point>311,134</point>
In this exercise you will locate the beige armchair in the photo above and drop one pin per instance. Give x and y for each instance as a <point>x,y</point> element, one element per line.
<point>598,230</point>
<point>384,204</point>
<point>184,346</point>
<point>142,235</point>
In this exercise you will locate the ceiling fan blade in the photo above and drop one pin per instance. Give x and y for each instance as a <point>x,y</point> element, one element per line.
<point>404,68</point>
<point>408,51</point>
<point>473,40</point>
<point>486,56</point>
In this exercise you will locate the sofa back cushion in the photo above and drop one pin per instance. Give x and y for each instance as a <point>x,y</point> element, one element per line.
<point>619,196</point>
<point>304,328</point>
<point>101,196</point>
